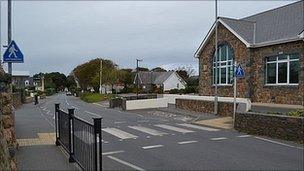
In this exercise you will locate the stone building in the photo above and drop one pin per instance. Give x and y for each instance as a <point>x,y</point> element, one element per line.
<point>270,48</point>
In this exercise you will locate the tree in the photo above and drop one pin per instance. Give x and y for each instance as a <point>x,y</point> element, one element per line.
<point>185,72</point>
<point>88,74</point>
<point>142,69</point>
<point>158,69</point>
<point>71,83</point>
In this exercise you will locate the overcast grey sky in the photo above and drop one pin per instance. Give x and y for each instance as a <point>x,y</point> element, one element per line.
<point>59,35</point>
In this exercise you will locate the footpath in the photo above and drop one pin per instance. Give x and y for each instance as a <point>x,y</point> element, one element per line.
<point>35,135</point>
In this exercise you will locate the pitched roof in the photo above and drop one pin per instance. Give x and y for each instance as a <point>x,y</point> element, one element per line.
<point>21,73</point>
<point>274,26</point>
<point>147,77</point>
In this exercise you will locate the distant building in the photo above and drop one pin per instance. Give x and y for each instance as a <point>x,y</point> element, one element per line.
<point>21,79</point>
<point>164,80</point>
<point>270,48</point>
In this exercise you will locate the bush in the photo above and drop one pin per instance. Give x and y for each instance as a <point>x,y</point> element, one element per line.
<point>296,113</point>
<point>49,91</point>
<point>190,89</point>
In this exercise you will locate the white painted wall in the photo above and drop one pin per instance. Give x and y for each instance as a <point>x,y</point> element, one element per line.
<point>146,104</point>
<point>171,99</point>
<point>172,81</point>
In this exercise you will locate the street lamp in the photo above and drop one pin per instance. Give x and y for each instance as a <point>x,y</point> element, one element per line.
<point>137,76</point>
<point>216,63</point>
<point>100,76</point>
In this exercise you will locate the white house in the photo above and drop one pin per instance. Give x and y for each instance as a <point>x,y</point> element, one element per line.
<point>165,80</point>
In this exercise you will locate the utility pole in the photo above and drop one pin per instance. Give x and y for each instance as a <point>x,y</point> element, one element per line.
<point>100,76</point>
<point>137,76</point>
<point>216,63</point>
<point>9,31</point>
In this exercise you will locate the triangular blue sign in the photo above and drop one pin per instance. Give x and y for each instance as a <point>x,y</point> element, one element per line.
<point>239,72</point>
<point>13,54</point>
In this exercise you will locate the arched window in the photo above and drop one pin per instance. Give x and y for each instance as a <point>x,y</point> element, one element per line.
<point>225,66</point>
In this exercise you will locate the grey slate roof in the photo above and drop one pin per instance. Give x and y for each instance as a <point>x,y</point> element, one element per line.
<point>285,22</point>
<point>279,25</point>
<point>147,77</point>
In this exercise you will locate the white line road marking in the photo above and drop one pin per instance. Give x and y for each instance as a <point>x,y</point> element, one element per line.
<point>97,104</point>
<point>143,121</point>
<point>120,122</point>
<point>220,138</point>
<point>186,142</point>
<point>148,130</point>
<point>126,163</point>
<point>48,112</point>
<point>119,133</point>
<point>112,152</point>
<point>140,115</point>
<point>152,146</point>
<point>198,127</point>
<point>173,128</point>
<point>91,113</point>
<point>279,143</point>
<point>75,107</point>
<point>244,136</point>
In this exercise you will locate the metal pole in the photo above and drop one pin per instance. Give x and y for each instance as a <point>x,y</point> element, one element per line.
<point>234,94</point>
<point>56,123</point>
<point>9,30</point>
<point>137,76</point>
<point>98,148</point>
<point>0,36</point>
<point>71,134</point>
<point>216,63</point>
<point>100,76</point>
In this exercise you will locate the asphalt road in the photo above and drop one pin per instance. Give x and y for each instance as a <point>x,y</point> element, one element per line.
<point>148,142</point>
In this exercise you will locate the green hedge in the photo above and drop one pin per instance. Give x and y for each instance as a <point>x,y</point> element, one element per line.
<point>95,97</point>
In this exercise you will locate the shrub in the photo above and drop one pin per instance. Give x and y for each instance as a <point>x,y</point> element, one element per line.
<point>49,91</point>
<point>296,113</point>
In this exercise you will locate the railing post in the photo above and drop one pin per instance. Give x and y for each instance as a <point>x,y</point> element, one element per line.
<point>98,146</point>
<point>71,134</point>
<point>57,107</point>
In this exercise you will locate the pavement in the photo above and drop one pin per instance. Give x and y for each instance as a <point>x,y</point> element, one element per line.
<point>152,140</point>
<point>35,135</point>
<point>221,122</point>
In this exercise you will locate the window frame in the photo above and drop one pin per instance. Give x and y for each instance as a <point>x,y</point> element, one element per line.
<point>277,61</point>
<point>220,66</point>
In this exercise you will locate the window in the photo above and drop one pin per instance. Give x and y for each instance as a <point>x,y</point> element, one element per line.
<point>282,70</point>
<point>224,66</point>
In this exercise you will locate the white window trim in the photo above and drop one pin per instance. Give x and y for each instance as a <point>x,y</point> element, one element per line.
<point>277,61</point>
<point>219,62</point>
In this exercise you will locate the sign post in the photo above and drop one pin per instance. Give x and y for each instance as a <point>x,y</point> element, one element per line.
<point>238,73</point>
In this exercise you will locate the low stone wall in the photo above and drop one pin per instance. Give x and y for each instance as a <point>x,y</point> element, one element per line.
<point>204,106</point>
<point>275,126</point>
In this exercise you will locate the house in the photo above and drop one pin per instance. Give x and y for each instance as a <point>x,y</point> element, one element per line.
<point>163,80</point>
<point>21,79</point>
<point>270,48</point>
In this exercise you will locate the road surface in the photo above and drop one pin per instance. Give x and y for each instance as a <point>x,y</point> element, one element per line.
<point>148,142</point>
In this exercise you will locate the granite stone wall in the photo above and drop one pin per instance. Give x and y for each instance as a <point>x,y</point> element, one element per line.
<point>16,99</point>
<point>275,126</point>
<point>224,108</point>
<point>8,143</point>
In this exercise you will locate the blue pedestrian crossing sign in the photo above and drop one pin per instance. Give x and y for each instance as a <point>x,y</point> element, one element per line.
<point>13,54</point>
<point>239,72</point>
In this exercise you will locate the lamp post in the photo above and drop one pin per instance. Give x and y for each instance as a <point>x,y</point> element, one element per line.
<point>9,30</point>
<point>137,76</point>
<point>216,63</point>
<point>100,76</point>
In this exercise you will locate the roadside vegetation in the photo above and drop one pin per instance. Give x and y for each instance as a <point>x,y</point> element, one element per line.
<point>95,97</point>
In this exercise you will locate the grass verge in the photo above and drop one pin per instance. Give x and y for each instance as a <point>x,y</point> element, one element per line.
<point>95,97</point>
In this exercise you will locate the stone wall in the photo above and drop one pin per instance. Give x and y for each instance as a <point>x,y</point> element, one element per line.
<point>7,129</point>
<point>224,108</point>
<point>240,54</point>
<point>275,126</point>
<point>16,99</point>
<point>253,62</point>
<point>277,94</point>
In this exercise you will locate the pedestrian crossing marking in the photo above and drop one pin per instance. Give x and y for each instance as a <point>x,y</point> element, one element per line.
<point>173,128</point>
<point>148,130</point>
<point>198,127</point>
<point>119,133</point>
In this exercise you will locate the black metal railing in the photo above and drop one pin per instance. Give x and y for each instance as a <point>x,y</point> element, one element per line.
<point>80,139</point>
